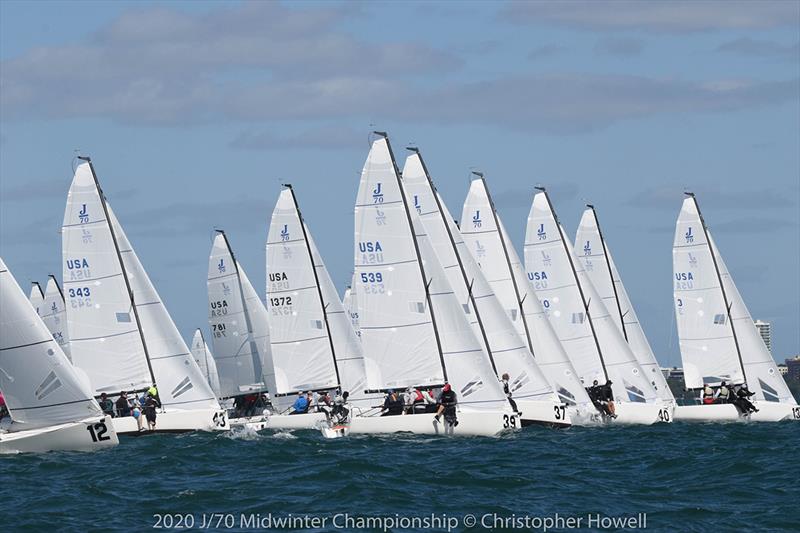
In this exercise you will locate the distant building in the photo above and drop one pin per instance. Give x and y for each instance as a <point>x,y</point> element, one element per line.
<point>793,368</point>
<point>765,330</point>
<point>783,369</point>
<point>672,373</point>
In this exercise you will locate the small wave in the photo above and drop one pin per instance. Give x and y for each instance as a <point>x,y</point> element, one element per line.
<point>283,435</point>
<point>243,433</point>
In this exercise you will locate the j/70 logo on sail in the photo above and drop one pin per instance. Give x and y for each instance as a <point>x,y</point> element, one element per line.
<point>476,220</point>
<point>416,204</point>
<point>285,233</point>
<point>377,194</point>
<point>587,248</point>
<point>689,237</point>
<point>83,215</point>
<point>541,232</point>
<point>221,266</point>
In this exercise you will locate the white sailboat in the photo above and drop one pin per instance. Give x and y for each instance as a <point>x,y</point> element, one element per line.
<point>204,359</point>
<point>532,393</point>
<point>413,329</point>
<point>489,244</point>
<point>350,304</point>
<point>593,343</point>
<point>54,315</point>
<point>239,334</point>
<point>718,339</point>
<point>50,405</point>
<point>121,334</point>
<point>592,250</point>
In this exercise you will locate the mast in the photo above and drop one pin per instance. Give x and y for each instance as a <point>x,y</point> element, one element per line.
<point>316,281</point>
<point>254,354</point>
<point>416,249</point>
<point>721,285</point>
<point>508,262</point>
<point>458,258</point>
<point>121,264</point>
<point>577,281</point>
<point>610,273</point>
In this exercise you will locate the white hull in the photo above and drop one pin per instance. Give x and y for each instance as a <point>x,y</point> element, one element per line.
<point>548,413</point>
<point>642,413</point>
<point>84,436</point>
<point>768,412</point>
<point>335,432</point>
<point>306,421</point>
<point>478,423</point>
<point>175,421</point>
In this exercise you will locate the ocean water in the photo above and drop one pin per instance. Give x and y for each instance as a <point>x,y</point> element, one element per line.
<point>704,477</point>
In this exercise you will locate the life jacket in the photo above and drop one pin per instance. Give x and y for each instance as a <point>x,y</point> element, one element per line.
<point>724,392</point>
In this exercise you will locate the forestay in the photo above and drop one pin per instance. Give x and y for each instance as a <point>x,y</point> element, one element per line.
<point>593,252</point>
<point>489,244</point>
<point>301,347</point>
<point>583,325</point>
<point>489,322</point>
<point>237,355</point>
<point>204,359</point>
<point>40,386</point>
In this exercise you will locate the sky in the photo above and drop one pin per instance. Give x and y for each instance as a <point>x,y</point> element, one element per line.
<point>194,113</point>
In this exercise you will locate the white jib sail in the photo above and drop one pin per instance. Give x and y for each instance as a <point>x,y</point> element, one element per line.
<point>597,349</point>
<point>709,327</point>
<point>40,386</point>
<point>350,303</point>
<point>54,315</point>
<point>301,346</point>
<point>236,352</point>
<point>181,385</point>
<point>104,336</point>
<point>489,321</point>
<point>204,359</point>
<point>487,240</point>
<point>593,251</point>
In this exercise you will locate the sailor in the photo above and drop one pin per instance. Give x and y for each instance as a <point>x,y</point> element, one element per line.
<point>123,407</point>
<point>392,404</point>
<point>106,404</point>
<point>447,404</point>
<point>136,411</point>
<point>708,394</point>
<point>595,395</point>
<point>3,408</point>
<point>608,399</point>
<point>153,391</point>
<point>300,406</point>
<point>507,390</point>
<point>150,411</point>
<point>723,394</point>
<point>339,412</point>
<point>742,400</point>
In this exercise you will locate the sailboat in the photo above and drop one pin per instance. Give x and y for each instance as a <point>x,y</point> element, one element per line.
<point>50,405</point>
<point>36,297</point>
<point>583,324</point>
<point>490,245</point>
<point>239,335</point>
<point>592,250</point>
<point>54,314</point>
<point>718,339</point>
<point>121,334</point>
<point>350,304</point>
<point>413,329</point>
<point>531,391</point>
<point>313,344</point>
<point>204,359</point>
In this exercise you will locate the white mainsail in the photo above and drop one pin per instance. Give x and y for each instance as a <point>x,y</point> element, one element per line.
<point>40,386</point>
<point>204,359</point>
<point>54,315</point>
<point>301,344</point>
<point>237,350</point>
<point>120,332</point>
<point>487,240</point>
<point>592,250</point>
<point>104,335</point>
<point>413,329</point>
<point>489,321</point>
<point>581,321</point>
<point>718,339</point>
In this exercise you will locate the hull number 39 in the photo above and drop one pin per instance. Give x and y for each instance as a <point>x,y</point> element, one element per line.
<point>509,421</point>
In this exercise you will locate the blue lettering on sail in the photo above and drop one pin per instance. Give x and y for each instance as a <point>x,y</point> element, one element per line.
<point>221,266</point>
<point>377,194</point>
<point>416,204</point>
<point>83,215</point>
<point>73,264</point>
<point>476,219</point>
<point>684,276</point>
<point>285,233</point>
<point>541,233</point>
<point>689,237</point>
<point>684,280</point>
<point>537,276</point>
<point>371,252</point>
<point>587,248</point>
<point>369,246</point>
<point>54,308</point>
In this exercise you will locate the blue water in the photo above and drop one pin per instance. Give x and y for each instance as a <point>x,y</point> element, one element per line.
<point>707,478</point>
